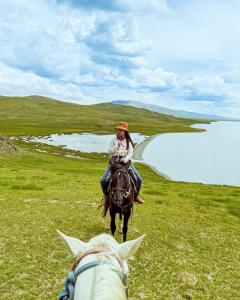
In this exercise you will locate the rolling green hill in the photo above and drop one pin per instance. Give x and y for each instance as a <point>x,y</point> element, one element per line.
<point>36,115</point>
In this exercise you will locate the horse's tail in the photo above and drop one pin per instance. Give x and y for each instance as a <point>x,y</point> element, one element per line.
<point>105,206</point>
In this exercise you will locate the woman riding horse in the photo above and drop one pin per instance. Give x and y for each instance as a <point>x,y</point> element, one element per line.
<point>121,148</point>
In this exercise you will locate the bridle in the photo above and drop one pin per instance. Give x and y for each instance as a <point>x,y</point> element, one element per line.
<point>69,283</point>
<point>127,191</point>
<point>95,251</point>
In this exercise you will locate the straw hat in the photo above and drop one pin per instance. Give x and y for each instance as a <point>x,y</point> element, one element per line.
<point>122,125</point>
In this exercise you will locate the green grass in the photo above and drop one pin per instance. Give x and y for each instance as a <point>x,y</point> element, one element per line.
<point>191,249</point>
<point>35,115</point>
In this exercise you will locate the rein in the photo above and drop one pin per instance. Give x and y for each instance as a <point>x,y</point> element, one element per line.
<point>69,282</point>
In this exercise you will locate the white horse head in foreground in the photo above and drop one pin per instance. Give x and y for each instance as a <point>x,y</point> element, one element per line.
<point>100,269</point>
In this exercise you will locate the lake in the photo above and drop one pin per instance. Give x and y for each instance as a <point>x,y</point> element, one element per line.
<point>207,157</point>
<point>211,157</point>
<point>86,142</point>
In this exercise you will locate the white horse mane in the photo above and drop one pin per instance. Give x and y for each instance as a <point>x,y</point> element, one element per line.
<point>101,282</point>
<point>104,284</point>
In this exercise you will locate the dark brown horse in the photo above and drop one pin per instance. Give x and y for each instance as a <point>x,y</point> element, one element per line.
<point>122,192</point>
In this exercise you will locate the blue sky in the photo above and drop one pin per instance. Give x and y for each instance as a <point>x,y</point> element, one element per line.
<point>178,54</point>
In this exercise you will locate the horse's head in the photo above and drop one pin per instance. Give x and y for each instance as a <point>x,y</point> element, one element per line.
<point>100,268</point>
<point>119,183</point>
<point>103,242</point>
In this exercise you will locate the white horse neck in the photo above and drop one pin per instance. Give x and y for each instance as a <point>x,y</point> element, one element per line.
<point>99,283</point>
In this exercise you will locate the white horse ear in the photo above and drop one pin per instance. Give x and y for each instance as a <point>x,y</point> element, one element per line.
<point>127,249</point>
<point>75,245</point>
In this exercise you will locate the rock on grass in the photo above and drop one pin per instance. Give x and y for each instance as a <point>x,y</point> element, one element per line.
<point>6,146</point>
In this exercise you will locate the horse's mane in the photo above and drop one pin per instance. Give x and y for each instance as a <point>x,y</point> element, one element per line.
<point>103,286</point>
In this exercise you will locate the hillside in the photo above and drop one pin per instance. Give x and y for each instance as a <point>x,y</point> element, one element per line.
<point>38,115</point>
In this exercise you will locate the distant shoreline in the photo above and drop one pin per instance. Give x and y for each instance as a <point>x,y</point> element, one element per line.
<point>138,151</point>
<point>139,148</point>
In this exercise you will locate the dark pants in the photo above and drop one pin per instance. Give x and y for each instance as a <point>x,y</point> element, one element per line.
<point>103,181</point>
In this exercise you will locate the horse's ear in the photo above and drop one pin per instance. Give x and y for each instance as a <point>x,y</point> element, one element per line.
<point>75,245</point>
<point>127,249</point>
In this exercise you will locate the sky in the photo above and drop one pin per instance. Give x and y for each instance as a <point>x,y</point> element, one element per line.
<point>181,54</point>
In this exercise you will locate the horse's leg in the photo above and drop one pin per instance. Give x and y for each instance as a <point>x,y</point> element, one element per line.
<point>126,214</point>
<point>120,221</point>
<point>112,223</point>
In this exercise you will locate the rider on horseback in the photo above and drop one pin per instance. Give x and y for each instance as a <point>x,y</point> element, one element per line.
<point>121,148</point>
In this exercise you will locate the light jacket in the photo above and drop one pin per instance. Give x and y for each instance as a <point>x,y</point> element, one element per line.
<point>119,148</point>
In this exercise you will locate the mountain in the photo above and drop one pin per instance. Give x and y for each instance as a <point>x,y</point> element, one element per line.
<point>167,111</point>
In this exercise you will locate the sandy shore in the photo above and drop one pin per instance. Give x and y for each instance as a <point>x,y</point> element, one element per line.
<point>138,151</point>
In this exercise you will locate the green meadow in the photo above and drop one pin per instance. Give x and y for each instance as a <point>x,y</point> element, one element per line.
<point>35,115</point>
<point>191,248</point>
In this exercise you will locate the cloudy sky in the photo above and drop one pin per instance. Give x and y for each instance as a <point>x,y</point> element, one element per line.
<point>182,54</point>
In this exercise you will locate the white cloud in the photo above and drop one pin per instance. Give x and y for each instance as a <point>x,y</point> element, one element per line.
<point>155,79</point>
<point>16,82</point>
<point>205,32</point>
<point>43,40</point>
<point>150,6</point>
<point>123,6</point>
<point>178,54</point>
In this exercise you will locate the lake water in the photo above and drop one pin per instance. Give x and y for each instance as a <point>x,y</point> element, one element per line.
<point>86,142</point>
<point>207,157</point>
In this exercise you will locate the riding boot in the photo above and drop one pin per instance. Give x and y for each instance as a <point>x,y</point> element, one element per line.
<point>139,200</point>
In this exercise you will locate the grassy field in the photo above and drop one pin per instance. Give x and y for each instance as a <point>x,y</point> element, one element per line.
<point>37,115</point>
<point>191,249</point>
